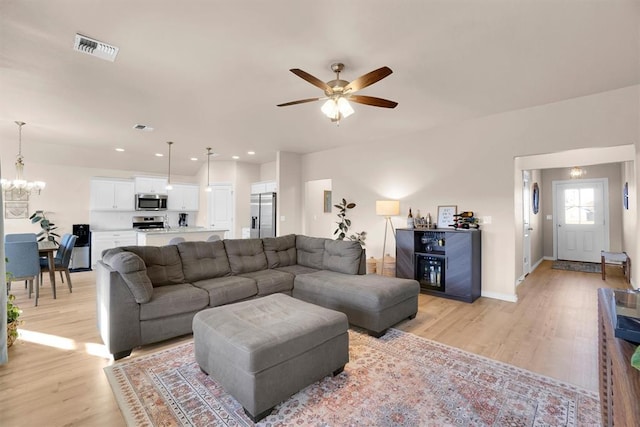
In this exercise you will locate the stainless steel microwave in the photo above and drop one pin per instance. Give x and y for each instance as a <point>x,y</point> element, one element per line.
<point>151,202</point>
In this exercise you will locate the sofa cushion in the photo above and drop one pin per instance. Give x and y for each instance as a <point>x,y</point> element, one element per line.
<point>164,266</point>
<point>280,251</point>
<point>271,281</point>
<point>227,290</point>
<point>342,256</point>
<point>297,269</point>
<point>172,300</point>
<point>133,272</point>
<point>310,251</point>
<point>203,260</point>
<point>245,255</point>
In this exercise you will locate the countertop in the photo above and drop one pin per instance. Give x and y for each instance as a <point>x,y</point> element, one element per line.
<point>176,230</point>
<point>164,230</point>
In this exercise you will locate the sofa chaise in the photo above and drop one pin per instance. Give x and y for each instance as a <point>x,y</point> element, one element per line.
<point>147,294</point>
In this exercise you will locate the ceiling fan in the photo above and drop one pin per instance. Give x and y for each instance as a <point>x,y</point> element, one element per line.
<point>338,92</point>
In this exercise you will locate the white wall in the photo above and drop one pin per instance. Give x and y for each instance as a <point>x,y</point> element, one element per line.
<point>317,222</point>
<point>268,171</point>
<point>289,199</point>
<point>471,165</point>
<point>630,218</point>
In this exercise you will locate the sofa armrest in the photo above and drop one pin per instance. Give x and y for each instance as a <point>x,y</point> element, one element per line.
<point>117,312</point>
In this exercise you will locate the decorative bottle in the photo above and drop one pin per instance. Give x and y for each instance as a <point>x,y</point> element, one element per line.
<point>410,219</point>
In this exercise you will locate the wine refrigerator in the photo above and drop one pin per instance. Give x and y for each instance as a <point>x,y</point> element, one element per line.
<point>430,271</point>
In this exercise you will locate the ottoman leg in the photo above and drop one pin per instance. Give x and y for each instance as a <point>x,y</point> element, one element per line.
<point>338,371</point>
<point>258,417</point>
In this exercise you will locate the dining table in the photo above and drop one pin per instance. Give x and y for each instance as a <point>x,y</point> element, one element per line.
<point>47,248</point>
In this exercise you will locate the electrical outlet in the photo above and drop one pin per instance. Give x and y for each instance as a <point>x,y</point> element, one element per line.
<point>549,217</point>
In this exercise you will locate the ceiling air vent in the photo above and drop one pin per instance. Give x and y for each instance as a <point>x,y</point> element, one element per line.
<point>95,48</point>
<point>143,127</point>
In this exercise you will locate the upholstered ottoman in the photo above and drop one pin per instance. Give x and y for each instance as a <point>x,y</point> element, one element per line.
<point>264,350</point>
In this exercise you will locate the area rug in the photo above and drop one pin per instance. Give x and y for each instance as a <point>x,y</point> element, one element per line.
<point>586,267</point>
<point>397,380</point>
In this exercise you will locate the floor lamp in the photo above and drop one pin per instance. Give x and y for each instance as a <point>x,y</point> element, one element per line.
<point>387,209</point>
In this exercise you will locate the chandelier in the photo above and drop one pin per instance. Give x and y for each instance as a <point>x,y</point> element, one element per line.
<point>20,184</point>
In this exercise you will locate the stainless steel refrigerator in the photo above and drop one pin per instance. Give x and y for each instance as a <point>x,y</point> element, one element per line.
<point>263,215</point>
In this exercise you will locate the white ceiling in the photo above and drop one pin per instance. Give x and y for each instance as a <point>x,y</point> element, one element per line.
<point>210,73</point>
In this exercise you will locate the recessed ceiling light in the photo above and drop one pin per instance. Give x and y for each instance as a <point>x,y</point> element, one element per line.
<point>159,155</point>
<point>120,149</point>
<point>251,153</point>
<point>235,157</point>
<point>194,159</point>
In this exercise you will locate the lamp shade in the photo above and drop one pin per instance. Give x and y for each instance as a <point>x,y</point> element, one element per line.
<point>387,207</point>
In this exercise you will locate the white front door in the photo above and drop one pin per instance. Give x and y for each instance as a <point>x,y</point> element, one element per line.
<point>581,219</point>
<point>526,223</point>
<point>220,209</point>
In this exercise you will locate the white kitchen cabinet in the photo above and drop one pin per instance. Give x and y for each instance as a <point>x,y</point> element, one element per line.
<point>103,240</point>
<point>112,195</point>
<point>264,187</point>
<point>150,185</point>
<point>184,197</point>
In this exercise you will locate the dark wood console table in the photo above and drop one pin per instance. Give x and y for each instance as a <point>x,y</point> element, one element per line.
<point>619,381</point>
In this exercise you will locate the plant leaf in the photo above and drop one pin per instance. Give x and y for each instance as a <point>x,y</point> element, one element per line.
<point>351,205</point>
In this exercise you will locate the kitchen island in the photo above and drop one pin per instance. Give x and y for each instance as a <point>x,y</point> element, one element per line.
<point>161,237</point>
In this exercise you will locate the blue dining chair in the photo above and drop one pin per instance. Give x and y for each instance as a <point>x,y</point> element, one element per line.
<point>23,264</point>
<point>61,260</point>
<point>20,237</point>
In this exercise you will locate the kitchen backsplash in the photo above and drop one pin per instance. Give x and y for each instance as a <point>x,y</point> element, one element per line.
<point>100,220</point>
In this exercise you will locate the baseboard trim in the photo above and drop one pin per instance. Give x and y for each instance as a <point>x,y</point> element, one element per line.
<point>500,296</point>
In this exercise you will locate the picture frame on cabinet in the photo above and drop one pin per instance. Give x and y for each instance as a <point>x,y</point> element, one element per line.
<point>446,215</point>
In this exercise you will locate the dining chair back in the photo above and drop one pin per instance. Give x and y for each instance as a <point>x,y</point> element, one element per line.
<point>20,237</point>
<point>61,260</point>
<point>23,264</point>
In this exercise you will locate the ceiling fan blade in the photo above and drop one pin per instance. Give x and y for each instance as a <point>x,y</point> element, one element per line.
<point>300,101</point>
<point>368,79</point>
<point>311,79</point>
<point>371,100</point>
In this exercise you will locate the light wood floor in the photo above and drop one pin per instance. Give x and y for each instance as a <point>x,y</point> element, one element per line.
<point>54,376</point>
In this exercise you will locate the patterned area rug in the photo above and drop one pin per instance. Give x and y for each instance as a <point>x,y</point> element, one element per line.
<point>398,380</point>
<point>586,267</point>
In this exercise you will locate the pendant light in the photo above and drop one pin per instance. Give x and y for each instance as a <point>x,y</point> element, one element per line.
<point>208,189</point>
<point>169,186</point>
<point>20,184</point>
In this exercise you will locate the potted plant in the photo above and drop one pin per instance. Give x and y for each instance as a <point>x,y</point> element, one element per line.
<point>13,314</point>
<point>47,227</point>
<point>345,223</point>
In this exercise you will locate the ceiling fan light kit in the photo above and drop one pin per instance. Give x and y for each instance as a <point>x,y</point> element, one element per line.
<point>339,92</point>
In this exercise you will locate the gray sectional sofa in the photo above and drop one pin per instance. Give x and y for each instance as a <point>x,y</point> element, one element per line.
<point>147,294</point>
